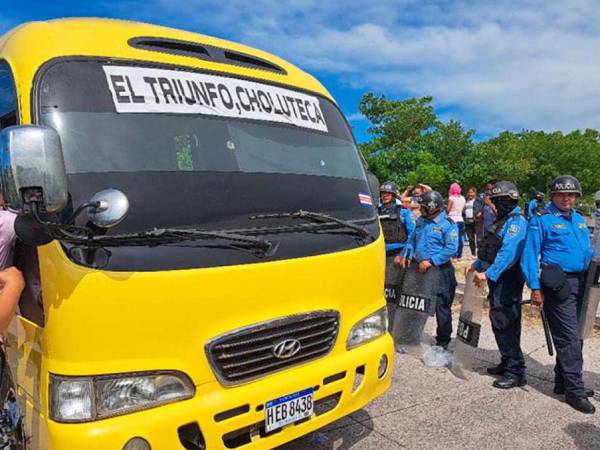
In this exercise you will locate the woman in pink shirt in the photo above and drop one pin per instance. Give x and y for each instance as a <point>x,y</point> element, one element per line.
<point>456,204</point>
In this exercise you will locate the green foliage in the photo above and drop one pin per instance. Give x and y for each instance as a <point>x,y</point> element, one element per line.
<point>410,144</point>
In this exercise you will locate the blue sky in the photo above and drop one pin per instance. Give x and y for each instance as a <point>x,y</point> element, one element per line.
<point>507,64</point>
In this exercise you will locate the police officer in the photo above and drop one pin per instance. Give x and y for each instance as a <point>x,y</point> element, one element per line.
<point>558,237</point>
<point>536,202</point>
<point>397,223</point>
<point>498,263</point>
<point>433,243</point>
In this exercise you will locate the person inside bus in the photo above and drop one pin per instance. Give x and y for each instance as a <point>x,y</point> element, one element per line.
<point>7,235</point>
<point>11,286</point>
<point>11,279</point>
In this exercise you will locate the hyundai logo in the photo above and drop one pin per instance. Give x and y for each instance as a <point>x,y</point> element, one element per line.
<point>286,348</point>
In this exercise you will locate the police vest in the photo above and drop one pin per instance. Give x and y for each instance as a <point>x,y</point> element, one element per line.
<point>492,243</point>
<point>394,228</point>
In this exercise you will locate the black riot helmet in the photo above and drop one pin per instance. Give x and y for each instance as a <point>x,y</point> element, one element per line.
<point>431,202</point>
<point>566,184</point>
<point>504,189</point>
<point>389,186</point>
<point>505,196</point>
<point>539,196</point>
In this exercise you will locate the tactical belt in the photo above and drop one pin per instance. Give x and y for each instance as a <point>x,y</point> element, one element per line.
<point>576,274</point>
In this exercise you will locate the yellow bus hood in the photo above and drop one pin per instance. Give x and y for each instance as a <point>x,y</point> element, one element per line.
<point>100,322</point>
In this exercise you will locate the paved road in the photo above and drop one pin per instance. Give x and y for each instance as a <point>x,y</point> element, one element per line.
<point>431,409</point>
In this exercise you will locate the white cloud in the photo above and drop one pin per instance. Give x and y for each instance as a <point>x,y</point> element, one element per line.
<point>535,69</point>
<point>355,117</point>
<point>495,65</point>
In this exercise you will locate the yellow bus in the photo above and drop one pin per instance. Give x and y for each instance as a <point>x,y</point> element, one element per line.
<point>203,260</point>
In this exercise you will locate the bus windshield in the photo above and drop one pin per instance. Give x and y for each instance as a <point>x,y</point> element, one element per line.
<point>211,170</point>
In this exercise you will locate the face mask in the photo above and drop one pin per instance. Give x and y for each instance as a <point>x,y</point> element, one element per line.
<point>504,205</point>
<point>430,215</point>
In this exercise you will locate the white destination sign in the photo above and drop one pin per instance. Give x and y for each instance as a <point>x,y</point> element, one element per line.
<point>146,90</point>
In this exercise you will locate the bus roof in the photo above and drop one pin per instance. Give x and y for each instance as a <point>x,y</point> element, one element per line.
<point>28,46</point>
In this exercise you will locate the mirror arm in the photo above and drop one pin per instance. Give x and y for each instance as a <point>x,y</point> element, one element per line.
<point>58,231</point>
<point>80,209</point>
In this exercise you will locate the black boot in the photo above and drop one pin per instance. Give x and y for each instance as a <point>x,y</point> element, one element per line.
<point>581,404</point>
<point>560,390</point>
<point>509,381</point>
<point>496,370</point>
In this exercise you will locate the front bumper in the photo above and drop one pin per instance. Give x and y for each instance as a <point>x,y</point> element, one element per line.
<point>233,417</point>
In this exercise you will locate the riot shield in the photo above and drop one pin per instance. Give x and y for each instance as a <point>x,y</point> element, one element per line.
<point>591,299</point>
<point>414,304</point>
<point>393,281</point>
<point>468,329</point>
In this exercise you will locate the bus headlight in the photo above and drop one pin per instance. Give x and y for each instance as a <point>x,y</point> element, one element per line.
<point>368,328</point>
<point>71,399</point>
<point>83,399</point>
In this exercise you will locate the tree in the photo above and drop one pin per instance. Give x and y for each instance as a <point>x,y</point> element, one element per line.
<point>410,144</point>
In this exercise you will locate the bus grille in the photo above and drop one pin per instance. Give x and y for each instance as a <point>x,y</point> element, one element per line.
<point>249,353</point>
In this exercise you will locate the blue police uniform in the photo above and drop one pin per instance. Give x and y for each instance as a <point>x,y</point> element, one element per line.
<point>505,282</point>
<point>557,239</point>
<point>396,229</point>
<point>405,217</point>
<point>436,239</point>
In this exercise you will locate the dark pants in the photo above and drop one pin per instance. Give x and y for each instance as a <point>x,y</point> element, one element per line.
<point>461,232</point>
<point>443,308</point>
<point>505,299</point>
<point>564,317</point>
<point>471,230</point>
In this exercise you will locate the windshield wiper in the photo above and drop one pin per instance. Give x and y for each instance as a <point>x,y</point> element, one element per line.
<point>159,236</point>
<point>324,219</point>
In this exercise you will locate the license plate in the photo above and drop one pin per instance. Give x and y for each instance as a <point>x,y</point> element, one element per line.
<point>288,409</point>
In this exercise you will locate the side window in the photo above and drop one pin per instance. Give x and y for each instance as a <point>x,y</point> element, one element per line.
<point>8,97</point>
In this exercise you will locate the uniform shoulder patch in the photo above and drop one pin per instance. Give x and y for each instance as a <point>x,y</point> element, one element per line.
<point>540,211</point>
<point>513,230</point>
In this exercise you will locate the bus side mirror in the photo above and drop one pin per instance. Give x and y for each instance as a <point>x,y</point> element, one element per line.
<point>32,169</point>
<point>112,206</point>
